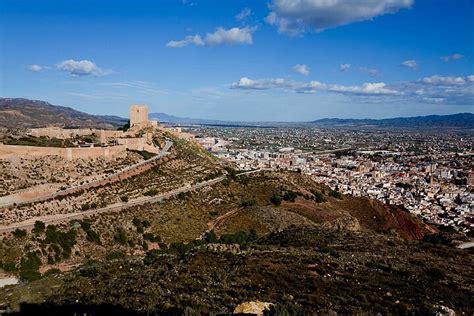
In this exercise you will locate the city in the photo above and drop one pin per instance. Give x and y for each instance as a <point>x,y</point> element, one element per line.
<point>430,174</point>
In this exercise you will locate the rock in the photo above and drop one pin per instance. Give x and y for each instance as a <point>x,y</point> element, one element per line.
<point>444,311</point>
<point>347,223</point>
<point>255,307</point>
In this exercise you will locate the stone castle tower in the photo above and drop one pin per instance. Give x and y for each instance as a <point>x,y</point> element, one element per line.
<point>138,115</point>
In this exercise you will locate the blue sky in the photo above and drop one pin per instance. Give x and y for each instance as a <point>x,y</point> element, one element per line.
<point>253,60</point>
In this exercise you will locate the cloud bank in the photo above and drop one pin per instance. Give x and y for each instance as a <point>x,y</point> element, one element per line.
<point>294,17</point>
<point>434,89</point>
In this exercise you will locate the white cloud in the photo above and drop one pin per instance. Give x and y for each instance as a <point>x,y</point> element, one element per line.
<point>36,68</point>
<point>452,57</point>
<point>231,36</point>
<point>221,36</point>
<point>378,88</point>
<point>296,16</point>
<point>196,40</point>
<point>81,68</point>
<point>370,71</point>
<point>344,67</point>
<point>245,13</point>
<point>301,69</point>
<point>434,89</point>
<point>410,64</point>
<point>446,81</point>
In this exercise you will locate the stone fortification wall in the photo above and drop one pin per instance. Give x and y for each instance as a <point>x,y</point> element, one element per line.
<point>61,133</point>
<point>9,151</point>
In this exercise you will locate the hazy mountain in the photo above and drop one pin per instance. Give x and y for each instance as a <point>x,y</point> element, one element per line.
<point>461,120</point>
<point>25,113</point>
<point>464,120</point>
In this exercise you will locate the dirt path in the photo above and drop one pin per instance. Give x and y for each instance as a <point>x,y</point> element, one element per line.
<point>221,219</point>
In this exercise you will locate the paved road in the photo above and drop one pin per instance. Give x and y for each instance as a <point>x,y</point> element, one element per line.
<point>72,189</point>
<point>60,218</point>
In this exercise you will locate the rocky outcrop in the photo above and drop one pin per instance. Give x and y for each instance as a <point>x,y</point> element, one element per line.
<point>343,223</point>
<point>253,308</point>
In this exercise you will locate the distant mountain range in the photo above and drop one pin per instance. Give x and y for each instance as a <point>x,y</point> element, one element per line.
<point>461,120</point>
<point>25,113</point>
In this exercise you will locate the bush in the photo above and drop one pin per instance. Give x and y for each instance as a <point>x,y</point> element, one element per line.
<point>248,203</point>
<point>114,255</point>
<point>290,196</point>
<point>151,192</point>
<point>85,206</point>
<point>31,261</point>
<point>39,227</point>
<point>124,198</point>
<point>151,237</point>
<point>336,194</point>
<point>276,200</point>
<point>8,266</point>
<point>30,275</point>
<point>242,238</point>
<point>120,236</point>
<point>52,271</point>
<point>19,233</point>
<point>318,197</point>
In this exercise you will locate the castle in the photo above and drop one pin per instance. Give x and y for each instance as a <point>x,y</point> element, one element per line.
<point>111,141</point>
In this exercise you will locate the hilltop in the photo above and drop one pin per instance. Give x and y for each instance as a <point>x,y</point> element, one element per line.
<point>25,113</point>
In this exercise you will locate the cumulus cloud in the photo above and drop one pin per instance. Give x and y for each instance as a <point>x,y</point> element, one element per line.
<point>195,40</point>
<point>452,57</point>
<point>81,68</point>
<point>344,67</point>
<point>35,68</point>
<point>296,16</point>
<point>302,69</point>
<point>409,64</point>
<point>434,89</point>
<point>245,13</point>
<point>232,36</point>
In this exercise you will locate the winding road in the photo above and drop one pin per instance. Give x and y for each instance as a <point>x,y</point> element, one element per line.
<point>61,218</point>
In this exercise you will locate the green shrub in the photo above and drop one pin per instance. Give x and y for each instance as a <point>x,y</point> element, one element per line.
<point>31,261</point>
<point>248,203</point>
<point>318,197</point>
<point>114,255</point>
<point>276,200</point>
<point>30,275</point>
<point>290,196</point>
<point>120,236</point>
<point>52,271</point>
<point>19,233</point>
<point>39,227</point>
<point>336,194</point>
<point>8,266</point>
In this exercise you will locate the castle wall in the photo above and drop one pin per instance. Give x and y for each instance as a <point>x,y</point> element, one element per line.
<point>9,151</point>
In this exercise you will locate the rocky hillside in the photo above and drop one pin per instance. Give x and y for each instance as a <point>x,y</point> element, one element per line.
<point>276,237</point>
<point>24,113</point>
